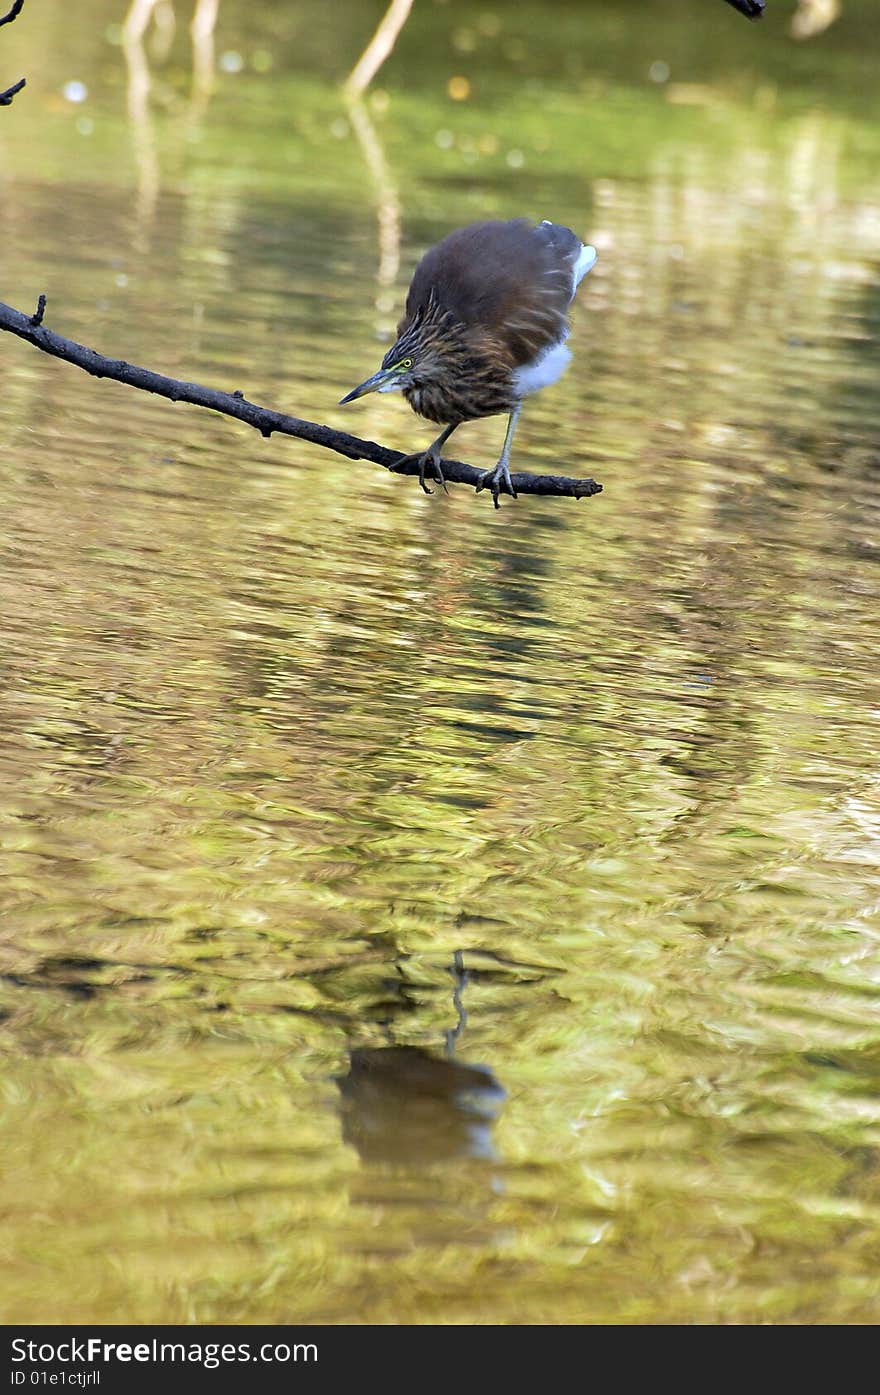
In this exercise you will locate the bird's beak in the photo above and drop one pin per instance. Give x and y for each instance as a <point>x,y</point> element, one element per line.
<point>374,384</point>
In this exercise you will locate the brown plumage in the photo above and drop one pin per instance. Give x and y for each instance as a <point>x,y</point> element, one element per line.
<point>491,297</point>
<point>485,323</point>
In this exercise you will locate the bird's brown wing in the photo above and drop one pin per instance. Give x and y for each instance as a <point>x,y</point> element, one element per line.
<point>511,281</point>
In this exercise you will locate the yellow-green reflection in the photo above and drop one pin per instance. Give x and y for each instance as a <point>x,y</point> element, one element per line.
<point>285,741</point>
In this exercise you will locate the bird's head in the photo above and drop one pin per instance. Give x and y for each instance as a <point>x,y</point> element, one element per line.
<point>396,373</point>
<point>416,359</point>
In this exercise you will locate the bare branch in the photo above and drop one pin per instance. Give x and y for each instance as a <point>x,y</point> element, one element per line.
<point>7,96</point>
<point>263,419</point>
<point>13,13</point>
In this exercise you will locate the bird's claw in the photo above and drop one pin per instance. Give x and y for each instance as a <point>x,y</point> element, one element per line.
<point>499,481</point>
<point>431,458</point>
<point>424,458</point>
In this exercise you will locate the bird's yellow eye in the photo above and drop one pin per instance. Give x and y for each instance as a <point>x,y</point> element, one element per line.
<point>405,363</point>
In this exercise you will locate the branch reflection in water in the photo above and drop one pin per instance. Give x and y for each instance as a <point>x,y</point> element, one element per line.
<point>161,15</point>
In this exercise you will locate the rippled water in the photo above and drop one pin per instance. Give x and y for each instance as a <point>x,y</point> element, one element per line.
<point>413,912</point>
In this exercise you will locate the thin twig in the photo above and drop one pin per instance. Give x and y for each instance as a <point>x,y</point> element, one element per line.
<point>263,419</point>
<point>7,96</point>
<point>12,14</point>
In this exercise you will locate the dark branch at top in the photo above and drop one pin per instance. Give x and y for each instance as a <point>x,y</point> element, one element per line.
<point>753,9</point>
<point>13,13</point>
<point>7,96</point>
<point>263,419</point>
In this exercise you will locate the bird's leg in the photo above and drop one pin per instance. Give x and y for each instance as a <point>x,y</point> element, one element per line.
<point>499,478</point>
<point>431,457</point>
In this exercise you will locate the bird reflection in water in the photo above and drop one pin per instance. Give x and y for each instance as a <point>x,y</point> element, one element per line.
<point>407,1105</point>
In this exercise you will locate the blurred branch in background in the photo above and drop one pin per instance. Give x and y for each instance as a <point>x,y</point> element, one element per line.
<point>160,13</point>
<point>201,30</point>
<point>11,14</point>
<point>813,16</point>
<point>379,48</point>
<point>263,419</point>
<point>143,133</point>
<point>387,199</point>
<point>164,26</point>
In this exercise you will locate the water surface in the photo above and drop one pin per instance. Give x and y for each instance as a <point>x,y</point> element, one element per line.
<point>413,912</point>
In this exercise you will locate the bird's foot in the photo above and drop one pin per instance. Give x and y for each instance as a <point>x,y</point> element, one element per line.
<point>499,481</point>
<point>424,459</point>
